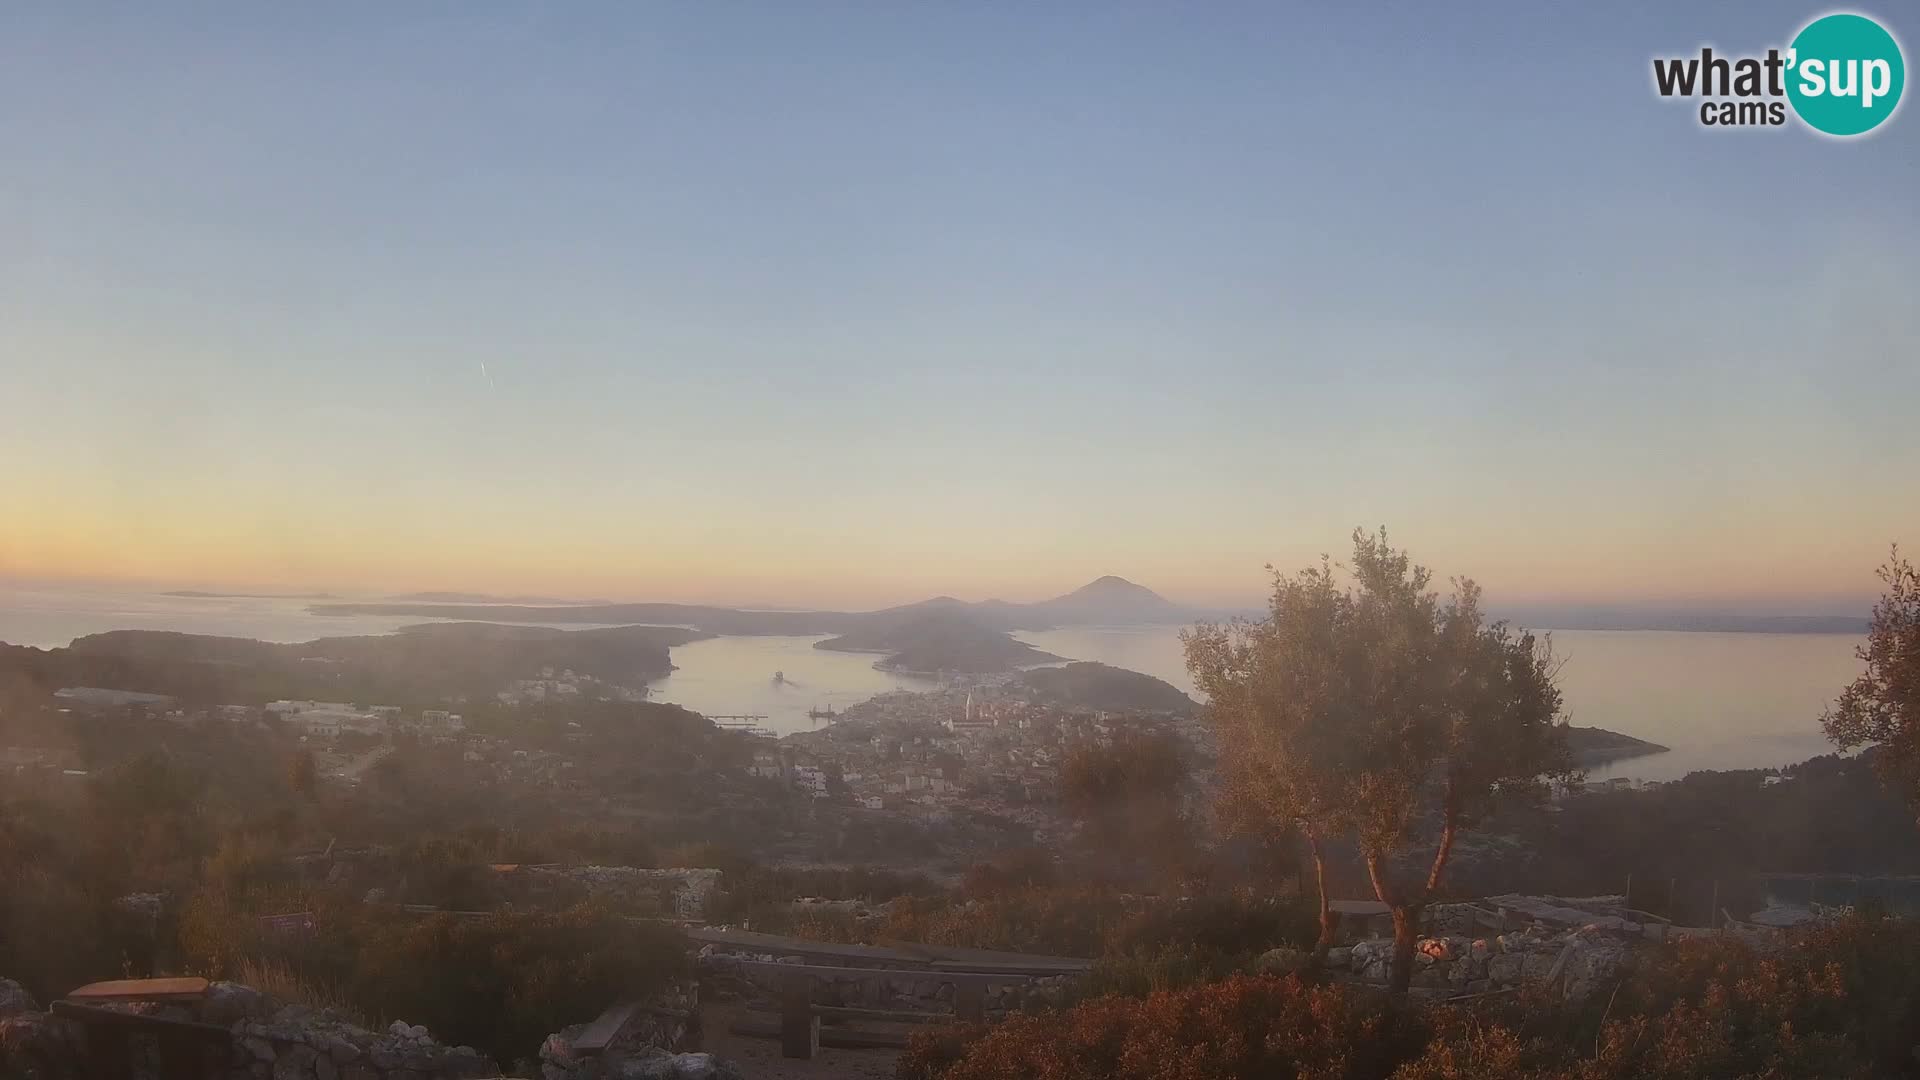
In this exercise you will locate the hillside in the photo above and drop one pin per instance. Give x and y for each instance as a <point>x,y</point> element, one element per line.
<point>1102,686</point>
<point>1110,600</point>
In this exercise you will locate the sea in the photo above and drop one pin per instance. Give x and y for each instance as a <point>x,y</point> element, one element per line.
<point>1717,700</point>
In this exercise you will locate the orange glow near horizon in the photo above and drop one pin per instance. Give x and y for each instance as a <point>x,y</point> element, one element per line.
<point>244,548</point>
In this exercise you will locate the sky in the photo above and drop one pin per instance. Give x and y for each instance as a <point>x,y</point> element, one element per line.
<point>854,303</point>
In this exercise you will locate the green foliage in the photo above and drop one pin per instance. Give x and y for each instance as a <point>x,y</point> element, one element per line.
<point>500,982</point>
<point>1081,920</point>
<point>1128,795</point>
<point>1357,709</point>
<point>1881,708</point>
<point>303,778</point>
<point>1241,1028</point>
<point>503,981</point>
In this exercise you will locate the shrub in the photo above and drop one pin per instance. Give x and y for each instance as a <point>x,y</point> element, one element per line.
<point>502,982</point>
<point>1842,1001</point>
<point>1239,1029</point>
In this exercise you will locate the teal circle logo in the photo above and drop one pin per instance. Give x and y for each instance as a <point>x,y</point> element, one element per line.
<point>1845,74</point>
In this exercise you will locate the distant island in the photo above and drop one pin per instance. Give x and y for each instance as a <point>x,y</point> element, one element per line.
<point>1085,684</point>
<point>426,663</point>
<point>1597,746</point>
<point>937,642</point>
<point>941,634</point>
<point>1105,600</point>
<point>198,594</point>
<point>479,598</point>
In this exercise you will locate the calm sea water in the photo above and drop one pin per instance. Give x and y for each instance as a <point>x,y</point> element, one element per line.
<point>734,676</point>
<point>1719,700</point>
<point>54,617</point>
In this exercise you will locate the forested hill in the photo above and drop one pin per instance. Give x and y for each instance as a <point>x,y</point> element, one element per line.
<point>940,642</point>
<point>1102,686</point>
<point>419,665</point>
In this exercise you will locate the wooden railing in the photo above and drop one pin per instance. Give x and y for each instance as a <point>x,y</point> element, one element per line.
<point>800,1017</point>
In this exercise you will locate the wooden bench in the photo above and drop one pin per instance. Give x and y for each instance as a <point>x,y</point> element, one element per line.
<point>800,1017</point>
<point>606,1029</point>
<point>177,989</point>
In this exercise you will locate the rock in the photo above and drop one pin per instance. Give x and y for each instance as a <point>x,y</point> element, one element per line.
<point>652,1063</point>
<point>359,1072</point>
<point>1590,968</point>
<point>228,1003</point>
<point>14,999</point>
<point>704,1067</point>
<point>36,1044</point>
<point>340,1050</point>
<point>261,1049</point>
<point>419,1033</point>
<point>295,1064</point>
<point>1339,958</point>
<point>401,1028</point>
<point>1537,965</point>
<point>1282,961</point>
<point>1506,969</point>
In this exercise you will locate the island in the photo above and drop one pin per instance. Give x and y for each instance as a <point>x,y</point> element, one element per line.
<point>1083,684</point>
<point>941,641</point>
<point>1597,746</point>
<point>419,664</point>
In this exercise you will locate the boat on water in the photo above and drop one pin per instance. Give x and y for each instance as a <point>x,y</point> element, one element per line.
<point>779,676</point>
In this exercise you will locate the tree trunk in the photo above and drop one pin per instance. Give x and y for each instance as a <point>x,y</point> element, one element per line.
<point>1440,856</point>
<point>1449,824</point>
<point>1406,934</point>
<point>1329,922</point>
<point>1406,925</point>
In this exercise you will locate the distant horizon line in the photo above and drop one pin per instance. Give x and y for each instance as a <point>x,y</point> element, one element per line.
<point>1743,607</point>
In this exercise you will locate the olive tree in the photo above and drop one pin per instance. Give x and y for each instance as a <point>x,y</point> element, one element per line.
<point>1264,713</point>
<point>1376,710</point>
<point>1881,708</point>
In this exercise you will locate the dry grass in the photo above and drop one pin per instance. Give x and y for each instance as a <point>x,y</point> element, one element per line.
<point>275,979</point>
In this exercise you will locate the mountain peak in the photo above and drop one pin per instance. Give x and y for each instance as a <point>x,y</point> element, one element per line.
<point>1112,597</point>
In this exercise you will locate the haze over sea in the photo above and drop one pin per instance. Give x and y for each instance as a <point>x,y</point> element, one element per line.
<point>1719,700</point>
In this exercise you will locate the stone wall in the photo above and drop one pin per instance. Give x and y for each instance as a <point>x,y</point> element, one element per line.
<point>679,892</point>
<point>1578,946</point>
<point>271,1041</point>
<point>915,989</point>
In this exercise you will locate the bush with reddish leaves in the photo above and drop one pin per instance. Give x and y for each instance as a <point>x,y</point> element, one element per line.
<point>1842,1001</point>
<point>1242,1028</point>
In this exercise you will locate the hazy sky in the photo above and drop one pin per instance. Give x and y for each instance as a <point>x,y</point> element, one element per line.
<point>854,303</point>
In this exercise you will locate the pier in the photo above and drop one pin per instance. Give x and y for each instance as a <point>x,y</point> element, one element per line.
<point>745,723</point>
